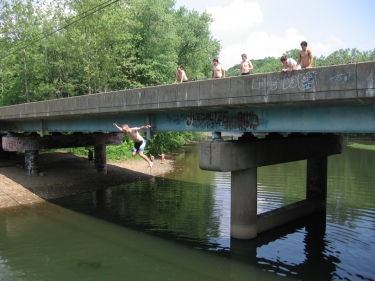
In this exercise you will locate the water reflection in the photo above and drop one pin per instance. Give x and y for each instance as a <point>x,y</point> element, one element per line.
<point>291,250</point>
<point>191,208</point>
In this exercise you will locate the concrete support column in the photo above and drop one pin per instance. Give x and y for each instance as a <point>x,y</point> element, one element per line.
<point>316,182</point>
<point>244,204</point>
<point>100,158</point>
<point>31,162</point>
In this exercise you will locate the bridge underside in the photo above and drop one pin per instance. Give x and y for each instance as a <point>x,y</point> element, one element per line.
<point>31,144</point>
<point>322,119</point>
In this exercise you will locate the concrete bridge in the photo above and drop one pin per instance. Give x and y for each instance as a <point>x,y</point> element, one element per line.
<point>302,113</point>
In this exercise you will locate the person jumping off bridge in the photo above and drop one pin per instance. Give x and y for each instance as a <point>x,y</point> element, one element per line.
<point>139,142</point>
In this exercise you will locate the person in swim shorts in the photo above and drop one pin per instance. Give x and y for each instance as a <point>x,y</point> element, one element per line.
<point>139,142</point>
<point>305,57</point>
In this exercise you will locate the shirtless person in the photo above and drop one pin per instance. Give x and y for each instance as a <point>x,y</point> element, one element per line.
<point>288,64</point>
<point>139,142</point>
<point>305,57</point>
<point>180,74</point>
<point>162,157</point>
<point>218,70</point>
<point>246,65</point>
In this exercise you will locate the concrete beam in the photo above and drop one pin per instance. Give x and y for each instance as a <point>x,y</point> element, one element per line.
<point>20,143</point>
<point>225,156</point>
<point>283,215</point>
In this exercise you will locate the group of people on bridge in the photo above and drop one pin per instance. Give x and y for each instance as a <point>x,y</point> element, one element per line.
<point>305,61</point>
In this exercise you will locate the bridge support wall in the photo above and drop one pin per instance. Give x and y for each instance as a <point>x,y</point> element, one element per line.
<point>244,204</point>
<point>316,181</point>
<point>31,162</point>
<point>100,158</point>
<point>243,157</point>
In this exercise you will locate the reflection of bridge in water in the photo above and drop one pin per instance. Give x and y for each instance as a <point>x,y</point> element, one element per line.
<point>299,111</point>
<point>116,206</point>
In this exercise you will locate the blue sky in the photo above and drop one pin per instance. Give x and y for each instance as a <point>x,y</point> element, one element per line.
<point>262,28</point>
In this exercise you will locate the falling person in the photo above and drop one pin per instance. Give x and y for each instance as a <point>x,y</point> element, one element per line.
<point>139,141</point>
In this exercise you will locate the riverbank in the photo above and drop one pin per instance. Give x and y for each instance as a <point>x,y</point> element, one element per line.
<point>66,174</point>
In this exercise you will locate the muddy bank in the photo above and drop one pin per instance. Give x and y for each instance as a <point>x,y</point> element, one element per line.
<point>67,174</point>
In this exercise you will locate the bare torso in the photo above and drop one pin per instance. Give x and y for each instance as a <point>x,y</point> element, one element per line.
<point>182,75</point>
<point>245,66</point>
<point>305,57</point>
<point>216,70</point>
<point>134,135</point>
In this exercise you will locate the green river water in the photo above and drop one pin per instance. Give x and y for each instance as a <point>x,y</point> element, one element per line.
<point>177,227</point>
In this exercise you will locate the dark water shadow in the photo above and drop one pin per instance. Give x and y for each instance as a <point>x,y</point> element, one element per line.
<point>142,210</point>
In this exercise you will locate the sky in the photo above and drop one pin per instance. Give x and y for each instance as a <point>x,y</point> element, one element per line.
<point>269,28</point>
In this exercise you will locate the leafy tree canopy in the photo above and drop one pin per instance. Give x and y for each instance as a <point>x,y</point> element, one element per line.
<point>69,48</point>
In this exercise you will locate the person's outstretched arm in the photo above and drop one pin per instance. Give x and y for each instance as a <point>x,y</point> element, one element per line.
<point>114,124</point>
<point>144,127</point>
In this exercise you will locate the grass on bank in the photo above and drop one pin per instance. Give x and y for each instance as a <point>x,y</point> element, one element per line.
<point>361,146</point>
<point>114,152</point>
<point>160,142</point>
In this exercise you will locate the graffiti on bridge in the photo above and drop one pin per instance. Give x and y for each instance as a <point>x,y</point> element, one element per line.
<point>241,120</point>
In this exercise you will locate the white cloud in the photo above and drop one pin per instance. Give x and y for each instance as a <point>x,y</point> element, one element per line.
<point>259,45</point>
<point>235,20</point>
<point>239,27</point>
<point>327,47</point>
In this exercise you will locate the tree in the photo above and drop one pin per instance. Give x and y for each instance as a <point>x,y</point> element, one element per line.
<point>195,48</point>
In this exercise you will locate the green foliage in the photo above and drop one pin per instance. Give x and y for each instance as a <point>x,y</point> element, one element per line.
<point>160,142</point>
<point>127,44</point>
<point>170,141</point>
<point>359,135</point>
<point>362,146</point>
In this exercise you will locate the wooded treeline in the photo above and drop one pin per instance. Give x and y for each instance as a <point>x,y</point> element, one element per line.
<point>342,56</point>
<point>67,48</point>
<point>54,49</point>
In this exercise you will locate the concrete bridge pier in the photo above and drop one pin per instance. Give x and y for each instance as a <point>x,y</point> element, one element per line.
<point>316,182</point>
<point>100,158</point>
<point>31,162</point>
<point>243,220</point>
<point>244,156</point>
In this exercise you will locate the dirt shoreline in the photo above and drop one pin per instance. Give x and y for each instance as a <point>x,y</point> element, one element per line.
<point>67,174</point>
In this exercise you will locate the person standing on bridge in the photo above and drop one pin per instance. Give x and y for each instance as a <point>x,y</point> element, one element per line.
<point>218,70</point>
<point>288,64</point>
<point>180,73</point>
<point>305,57</point>
<point>245,66</point>
<point>139,142</point>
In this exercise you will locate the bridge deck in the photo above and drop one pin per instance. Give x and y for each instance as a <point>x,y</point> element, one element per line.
<point>327,99</point>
